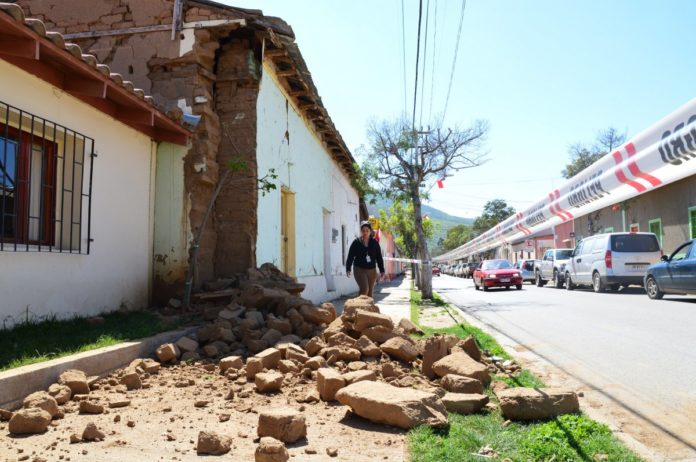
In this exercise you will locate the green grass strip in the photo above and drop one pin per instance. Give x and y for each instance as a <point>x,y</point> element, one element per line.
<point>35,342</point>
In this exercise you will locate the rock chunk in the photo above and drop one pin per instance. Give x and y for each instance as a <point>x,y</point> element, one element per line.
<point>61,393</point>
<point>314,346</point>
<point>213,443</point>
<point>90,407</point>
<point>284,424</point>
<point>366,319</point>
<point>167,353</point>
<point>460,384</point>
<point>269,357</point>
<point>434,349</point>
<point>409,327</point>
<point>379,334</point>
<point>363,302</point>
<point>462,364</point>
<point>92,433</point>
<point>271,450</point>
<point>187,345</point>
<point>357,376</point>
<point>315,362</point>
<point>537,403</point>
<point>316,315</point>
<point>29,421</point>
<point>340,353</point>
<point>76,380</point>
<point>367,347</point>
<point>400,348</point>
<point>342,340</point>
<point>401,407</point>
<point>267,382</point>
<point>464,403</point>
<point>470,347</point>
<point>231,362</point>
<point>329,381</point>
<point>42,400</point>
<point>131,379</point>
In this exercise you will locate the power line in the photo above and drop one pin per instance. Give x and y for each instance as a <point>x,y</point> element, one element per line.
<point>403,49</point>
<point>425,62</point>
<point>415,87</point>
<point>454,60</point>
<point>432,75</point>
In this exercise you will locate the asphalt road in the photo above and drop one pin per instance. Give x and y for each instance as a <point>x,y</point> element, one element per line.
<point>638,353</point>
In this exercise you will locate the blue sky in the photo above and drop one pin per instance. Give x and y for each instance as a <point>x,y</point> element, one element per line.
<point>544,74</point>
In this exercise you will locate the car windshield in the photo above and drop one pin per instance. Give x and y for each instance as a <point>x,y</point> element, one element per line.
<point>564,254</point>
<point>634,243</point>
<point>496,264</point>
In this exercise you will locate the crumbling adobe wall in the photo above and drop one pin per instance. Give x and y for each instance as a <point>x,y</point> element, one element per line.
<point>152,62</point>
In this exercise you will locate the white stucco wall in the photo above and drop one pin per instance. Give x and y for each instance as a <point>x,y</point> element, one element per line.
<point>304,167</point>
<point>118,270</point>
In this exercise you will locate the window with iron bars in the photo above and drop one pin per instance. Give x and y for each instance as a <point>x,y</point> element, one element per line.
<point>45,185</point>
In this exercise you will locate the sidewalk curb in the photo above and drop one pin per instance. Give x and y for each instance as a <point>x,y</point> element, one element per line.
<point>16,384</point>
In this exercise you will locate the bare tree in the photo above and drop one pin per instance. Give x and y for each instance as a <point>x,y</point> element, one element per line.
<point>406,163</point>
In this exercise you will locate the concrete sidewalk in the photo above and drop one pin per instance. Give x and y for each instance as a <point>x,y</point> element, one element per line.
<point>393,298</point>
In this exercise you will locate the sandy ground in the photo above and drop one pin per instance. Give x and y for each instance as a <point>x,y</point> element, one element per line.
<point>162,423</point>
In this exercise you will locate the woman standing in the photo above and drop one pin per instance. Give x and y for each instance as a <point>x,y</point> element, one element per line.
<point>366,253</point>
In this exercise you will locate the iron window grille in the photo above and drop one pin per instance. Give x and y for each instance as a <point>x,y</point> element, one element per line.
<point>45,185</point>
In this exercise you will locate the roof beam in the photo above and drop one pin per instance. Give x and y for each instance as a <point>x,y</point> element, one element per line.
<point>136,116</point>
<point>86,87</point>
<point>11,45</point>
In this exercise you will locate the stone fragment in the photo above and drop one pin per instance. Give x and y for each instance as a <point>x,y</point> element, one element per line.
<point>271,450</point>
<point>119,403</point>
<point>92,433</point>
<point>283,423</point>
<point>190,356</point>
<point>434,349</point>
<point>42,400</point>
<point>401,407</point>
<point>314,346</point>
<point>315,362</point>
<point>213,443</point>
<point>29,421</point>
<point>363,302</point>
<point>366,319</point>
<point>76,380</point>
<point>271,336</point>
<point>470,347</point>
<point>5,415</point>
<point>462,364</point>
<point>281,325</point>
<point>379,334</point>
<point>269,357</point>
<point>90,407</point>
<point>267,382</point>
<point>295,355</point>
<point>186,344</point>
<point>342,340</point>
<point>286,366</point>
<point>464,403</point>
<point>409,327</point>
<point>131,379</point>
<point>316,315</point>
<point>460,384</point>
<point>168,352</point>
<point>367,347</point>
<point>357,365</point>
<point>341,353</point>
<point>329,381</point>
<point>253,366</point>
<point>332,451</point>
<point>211,351</point>
<point>400,348</point>
<point>231,362</point>
<point>357,376</point>
<point>61,393</point>
<point>537,403</point>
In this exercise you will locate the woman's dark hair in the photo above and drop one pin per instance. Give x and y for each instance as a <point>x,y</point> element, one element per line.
<point>366,224</point>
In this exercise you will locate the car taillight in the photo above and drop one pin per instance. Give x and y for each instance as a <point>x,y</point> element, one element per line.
<point>607,259</point>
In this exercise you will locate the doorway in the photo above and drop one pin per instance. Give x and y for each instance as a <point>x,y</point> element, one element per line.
<point>287,232</point>
<point>328,272</point>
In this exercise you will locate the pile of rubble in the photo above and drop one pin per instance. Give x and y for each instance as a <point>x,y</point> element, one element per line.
<point>269,340</point>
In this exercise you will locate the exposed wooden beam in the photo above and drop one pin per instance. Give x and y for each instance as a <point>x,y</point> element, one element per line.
<point>286,72</point>
<point>129,31</point>
<point>48,73</point>
<point>87,87</point>
<point>275,52</point>
<point>137,116</point>
<point>11,45</point>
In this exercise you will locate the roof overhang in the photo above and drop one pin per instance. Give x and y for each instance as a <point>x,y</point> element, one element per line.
<point>27,45</point>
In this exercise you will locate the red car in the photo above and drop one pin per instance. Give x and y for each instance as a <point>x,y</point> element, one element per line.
<point>436,271</point>
<point>497,273</point>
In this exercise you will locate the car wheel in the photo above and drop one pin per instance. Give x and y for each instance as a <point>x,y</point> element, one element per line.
<point>507,287</point>
<point>518,287</point>
<point>539,281</point>
<point>569,282</point>
<point>653,290</point>
<point>597,285</point>
<point>557,280</point>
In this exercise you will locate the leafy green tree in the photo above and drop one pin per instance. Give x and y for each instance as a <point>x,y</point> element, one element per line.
<point>494,212</point>
<point>456,236</point>
<point>582,156</point>
<point>398,222</point>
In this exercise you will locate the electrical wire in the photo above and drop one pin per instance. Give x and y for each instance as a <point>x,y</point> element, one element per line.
<point>432,75</point>
<point>454,60</point>
<point>425,62</point>
<point>415,87</point>
<point>403,49</point>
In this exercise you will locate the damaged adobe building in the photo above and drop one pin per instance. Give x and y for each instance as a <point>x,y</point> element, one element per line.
<point>244,75</point>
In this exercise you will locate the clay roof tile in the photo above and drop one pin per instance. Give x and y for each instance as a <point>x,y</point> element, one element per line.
<point>13,10</point>
<point>36,25</point>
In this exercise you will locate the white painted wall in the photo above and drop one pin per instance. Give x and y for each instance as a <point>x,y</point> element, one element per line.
<point>118,270</point>
<point>285,143</point>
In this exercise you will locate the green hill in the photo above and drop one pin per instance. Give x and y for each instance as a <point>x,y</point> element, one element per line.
<point>443,221</point>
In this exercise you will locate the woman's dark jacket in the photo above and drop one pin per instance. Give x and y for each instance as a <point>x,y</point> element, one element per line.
<point>358,254</point>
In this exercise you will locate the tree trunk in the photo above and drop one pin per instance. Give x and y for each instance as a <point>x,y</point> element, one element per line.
<point>426,273</point>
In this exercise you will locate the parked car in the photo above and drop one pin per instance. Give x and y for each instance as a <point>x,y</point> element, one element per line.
<point>436,271</point>
<point>497,273</point>
<point>469,269</point>
<point>551,267</point>
<point>612,260</point>
<point>527,269</point>
<point>459,270</point>
<point>675,274</point>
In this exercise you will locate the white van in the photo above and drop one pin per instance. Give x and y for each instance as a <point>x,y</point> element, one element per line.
<point>612,260</point>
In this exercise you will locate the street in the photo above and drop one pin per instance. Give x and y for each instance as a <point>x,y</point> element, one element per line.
<point>633,355</point>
